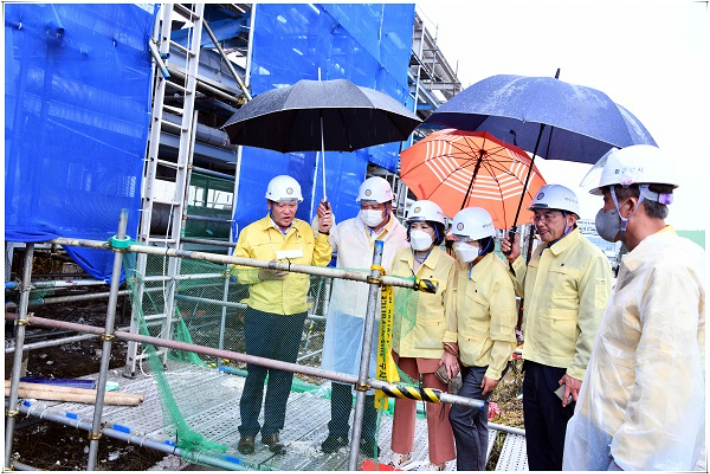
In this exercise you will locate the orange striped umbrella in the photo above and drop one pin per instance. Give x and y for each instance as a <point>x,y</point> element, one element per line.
<point>457,169</point>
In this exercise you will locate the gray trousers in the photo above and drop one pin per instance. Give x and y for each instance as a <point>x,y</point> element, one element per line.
<point>470,425</point>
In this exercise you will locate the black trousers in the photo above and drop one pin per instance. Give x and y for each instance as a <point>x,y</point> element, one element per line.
<point>341,404</point>
<point>545,418</point>
<point>276,337</point>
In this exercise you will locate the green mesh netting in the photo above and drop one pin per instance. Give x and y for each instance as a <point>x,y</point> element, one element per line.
<point>208,309</point>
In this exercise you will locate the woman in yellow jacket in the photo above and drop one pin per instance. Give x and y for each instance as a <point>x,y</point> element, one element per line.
<point>418,339</point>
<point>485,317</point>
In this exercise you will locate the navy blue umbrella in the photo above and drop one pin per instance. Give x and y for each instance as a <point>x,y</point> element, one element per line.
<point>552,118</point>
<point>580,123</point>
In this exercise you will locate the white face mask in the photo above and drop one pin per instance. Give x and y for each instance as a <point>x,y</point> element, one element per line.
<point>466,252</point>
<point>420,240</point>
<point>372,217</point>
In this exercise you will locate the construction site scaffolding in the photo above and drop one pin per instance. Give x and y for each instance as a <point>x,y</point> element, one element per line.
<point>120,245</point>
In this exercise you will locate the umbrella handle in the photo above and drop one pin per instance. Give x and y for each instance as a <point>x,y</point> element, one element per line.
<point>511,239</point>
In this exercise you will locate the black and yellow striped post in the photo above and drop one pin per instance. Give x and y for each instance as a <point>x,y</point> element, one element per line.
<point>414,393</point>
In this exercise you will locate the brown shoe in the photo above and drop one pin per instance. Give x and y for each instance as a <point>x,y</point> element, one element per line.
<point>246,445</point>
<point>272,441</point>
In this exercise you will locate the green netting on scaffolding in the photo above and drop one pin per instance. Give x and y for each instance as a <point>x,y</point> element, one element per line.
<point>156,293</point>
<point>207,306</point>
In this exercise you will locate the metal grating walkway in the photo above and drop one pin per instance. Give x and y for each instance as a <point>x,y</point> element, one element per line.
<point>209,401</point>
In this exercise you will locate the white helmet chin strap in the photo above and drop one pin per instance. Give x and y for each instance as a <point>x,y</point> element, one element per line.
<point>625,220</point>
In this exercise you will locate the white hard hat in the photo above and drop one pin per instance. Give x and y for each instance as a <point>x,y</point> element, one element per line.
<point>474,223</point>
<point>283,188</point>
<point>638,164</point>
<point>375,189</point>
<point>426,211</point>
<point>555,196</point>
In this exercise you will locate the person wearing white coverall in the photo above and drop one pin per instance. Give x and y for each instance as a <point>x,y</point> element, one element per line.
<point>642,404</point>
<point>354,242</point>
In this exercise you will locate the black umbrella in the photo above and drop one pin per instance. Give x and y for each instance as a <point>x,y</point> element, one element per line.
<point>334,115</point>
<point>553,118</point>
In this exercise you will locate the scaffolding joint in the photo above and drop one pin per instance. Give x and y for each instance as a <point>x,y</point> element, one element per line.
<point>24,322</point>
<point>94,436</point>
<point>107,337</point>
<point>11,413</point>
<point>362,387</point>
<point>120,244</point>
<point>372,280</point>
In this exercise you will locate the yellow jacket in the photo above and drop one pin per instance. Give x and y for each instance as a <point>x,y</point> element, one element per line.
<point>484,309</point>
<point>422,330</point>
<point>643,400</point>
<point>566,288</point>
<point>262,240</point>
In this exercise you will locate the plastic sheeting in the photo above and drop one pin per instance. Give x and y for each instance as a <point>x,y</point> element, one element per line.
<point>369,45</point>
<point>77,112</point>
<point>642,403</point>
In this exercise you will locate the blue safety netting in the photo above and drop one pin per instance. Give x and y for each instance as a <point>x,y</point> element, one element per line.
<point>77,113</point>
<point>369,45</point>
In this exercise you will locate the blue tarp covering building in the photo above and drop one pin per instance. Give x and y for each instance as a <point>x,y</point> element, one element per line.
<point>78,104</point>
<point>369,45</point>
<point>77,112</point>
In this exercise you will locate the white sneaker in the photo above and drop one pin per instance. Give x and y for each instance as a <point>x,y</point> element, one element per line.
<point>433,467</point>
<point>398,459</point>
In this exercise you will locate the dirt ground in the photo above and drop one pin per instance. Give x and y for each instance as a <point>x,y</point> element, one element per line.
<point>51,446</point>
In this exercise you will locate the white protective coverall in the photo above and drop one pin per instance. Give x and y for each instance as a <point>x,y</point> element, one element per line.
<point>342,346</point>
<point>642,403</point>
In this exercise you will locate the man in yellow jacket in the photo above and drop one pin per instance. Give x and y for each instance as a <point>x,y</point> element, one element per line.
<point>566,285</point>
<point>277,305</point>
<point>642,405</point>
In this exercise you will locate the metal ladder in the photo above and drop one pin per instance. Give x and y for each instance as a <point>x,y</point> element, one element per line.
<point>186,130</point>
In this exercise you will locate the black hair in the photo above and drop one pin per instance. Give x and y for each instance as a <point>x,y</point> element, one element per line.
<point>439,231</point>
<point>654,209</point>
<point>486,245</point>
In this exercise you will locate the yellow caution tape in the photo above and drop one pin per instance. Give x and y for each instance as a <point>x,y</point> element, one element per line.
<point>386,368</point>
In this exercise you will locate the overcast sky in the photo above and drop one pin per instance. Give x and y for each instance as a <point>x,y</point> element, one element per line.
<point>650,57</point>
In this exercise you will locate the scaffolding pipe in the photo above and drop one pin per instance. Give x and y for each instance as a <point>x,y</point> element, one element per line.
<point>89,296</point>
<point>65,283</point>
<point>207,219</point>
<point>216,243</point>
<point>204,86</point>
<point>506,429</point>
<point>214,174</point>
<point>247,262</point>
<point>189,276</point>
<point>237,356</point>
<point>229,304</point>
<point>309,355</point>
<point>226,59</point>
<point>106,337</point>
<point>21,322</point>
<point>135,439</point>
<point>56,342</point>
<point>369,330</point>
<point>250,46</point>
<point>158,60</point>
<point>18,466</point>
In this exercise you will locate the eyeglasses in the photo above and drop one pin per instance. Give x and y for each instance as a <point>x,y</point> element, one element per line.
<point>546,216</point>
